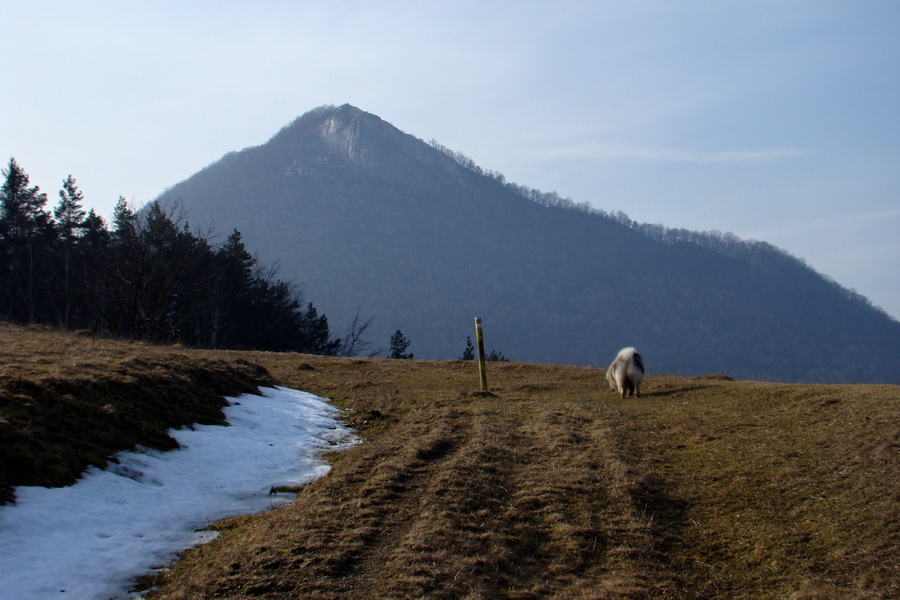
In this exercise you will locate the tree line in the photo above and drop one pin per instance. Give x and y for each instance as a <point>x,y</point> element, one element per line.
<point>761,254</point>
<point>146,276</point>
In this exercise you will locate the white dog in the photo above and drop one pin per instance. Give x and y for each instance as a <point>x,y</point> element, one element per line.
<point>626,372</point>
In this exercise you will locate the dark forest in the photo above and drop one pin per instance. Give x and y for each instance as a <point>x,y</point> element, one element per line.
<point>146,276</point>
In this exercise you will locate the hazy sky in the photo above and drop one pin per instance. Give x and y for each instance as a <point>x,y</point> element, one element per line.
<point>774,120</point>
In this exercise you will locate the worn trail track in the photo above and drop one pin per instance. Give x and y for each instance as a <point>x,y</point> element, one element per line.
<point>490,499</point>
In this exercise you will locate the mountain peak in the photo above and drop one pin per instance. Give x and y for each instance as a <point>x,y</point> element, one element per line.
<point>334,135</point>
<point>354,133</point>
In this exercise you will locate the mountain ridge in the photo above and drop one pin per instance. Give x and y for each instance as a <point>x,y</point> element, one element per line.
<point>374,221</point>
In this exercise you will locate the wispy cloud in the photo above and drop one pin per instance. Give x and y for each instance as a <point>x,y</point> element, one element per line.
<point>639,153</point>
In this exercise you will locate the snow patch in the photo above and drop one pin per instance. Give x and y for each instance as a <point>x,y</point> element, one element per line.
<point>92,539</point>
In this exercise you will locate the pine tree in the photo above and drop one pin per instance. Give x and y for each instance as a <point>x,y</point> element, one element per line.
<point>21,207</point>
<point>317,337</point>
<point>469,353</point>
<point>495,356</point>
<point>26,236</point>
<point>229,310</point>
<point>69,214</point>
<point>70,225</point>
<point>399,345</point>
<point>124,220</point>
<point>92,292</point>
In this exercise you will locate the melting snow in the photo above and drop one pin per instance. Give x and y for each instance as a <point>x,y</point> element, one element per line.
<point>92,539</point>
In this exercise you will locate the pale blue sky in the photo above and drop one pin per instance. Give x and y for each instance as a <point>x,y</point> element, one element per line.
<point>774,120</point>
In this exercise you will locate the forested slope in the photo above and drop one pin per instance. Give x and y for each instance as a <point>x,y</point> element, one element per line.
<point>373,221</point>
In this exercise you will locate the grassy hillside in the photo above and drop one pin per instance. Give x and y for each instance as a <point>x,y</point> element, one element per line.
<point>549,486</point>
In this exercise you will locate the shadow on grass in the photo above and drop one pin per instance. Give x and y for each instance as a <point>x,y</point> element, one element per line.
<point>673,391</point>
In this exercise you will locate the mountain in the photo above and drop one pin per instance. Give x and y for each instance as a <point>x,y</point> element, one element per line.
<point>371,220</point>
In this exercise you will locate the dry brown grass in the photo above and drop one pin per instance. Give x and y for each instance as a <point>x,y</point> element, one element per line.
<point>69,401</point>
<point>550,486</point>
<point>793,488</point>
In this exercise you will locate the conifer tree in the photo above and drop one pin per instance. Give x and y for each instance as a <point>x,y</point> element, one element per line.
<point>495,356</point>
<point>399,345</point>
<point>26,235</point>
<point>69,220</point>
<point>469,352</point>
<point>21,207</point>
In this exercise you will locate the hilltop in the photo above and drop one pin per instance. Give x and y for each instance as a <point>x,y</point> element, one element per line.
<point>372,221</point>
<point>548,485</point>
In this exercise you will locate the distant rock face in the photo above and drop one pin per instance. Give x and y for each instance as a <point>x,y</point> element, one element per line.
<point>341,132</point>
<point>368,219</point>
<point>373,145</point>
<point>330,143</point>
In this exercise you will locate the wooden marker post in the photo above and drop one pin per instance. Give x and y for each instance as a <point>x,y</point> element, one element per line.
<point>479,338</point>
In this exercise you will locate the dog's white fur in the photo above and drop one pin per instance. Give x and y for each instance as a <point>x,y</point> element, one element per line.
<point>626,372</point>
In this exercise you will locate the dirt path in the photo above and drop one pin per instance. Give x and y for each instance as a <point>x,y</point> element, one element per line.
<point>490,499</point>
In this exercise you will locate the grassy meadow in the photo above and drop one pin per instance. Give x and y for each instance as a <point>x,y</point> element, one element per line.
<point>548,486</point>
